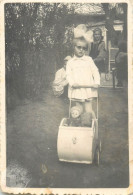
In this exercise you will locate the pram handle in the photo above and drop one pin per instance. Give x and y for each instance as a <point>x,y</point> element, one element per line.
<point>85,86</point>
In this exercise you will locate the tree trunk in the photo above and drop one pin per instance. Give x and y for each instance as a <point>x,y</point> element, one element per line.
<point>109,17</point>
<point>124,6</point>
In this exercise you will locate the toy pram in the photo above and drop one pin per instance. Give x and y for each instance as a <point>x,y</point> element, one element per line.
<point>79,144</point>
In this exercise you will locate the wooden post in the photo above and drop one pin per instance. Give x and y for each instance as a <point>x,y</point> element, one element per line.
<point>109,47</point>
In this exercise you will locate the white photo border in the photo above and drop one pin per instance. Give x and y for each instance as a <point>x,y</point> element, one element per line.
<point>62,191</point>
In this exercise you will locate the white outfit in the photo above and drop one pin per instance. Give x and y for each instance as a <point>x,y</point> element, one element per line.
<point>60,82</point>
<point>82,71</point>
<point>60,77</point>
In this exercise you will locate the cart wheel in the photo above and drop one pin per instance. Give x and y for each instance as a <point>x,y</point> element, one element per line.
<point>97,157</point>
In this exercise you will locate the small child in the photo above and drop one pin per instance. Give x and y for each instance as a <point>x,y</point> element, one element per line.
<point>83,76</point>
<point>60,79</point>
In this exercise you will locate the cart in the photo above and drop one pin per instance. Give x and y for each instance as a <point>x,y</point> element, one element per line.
<point>79,144</point>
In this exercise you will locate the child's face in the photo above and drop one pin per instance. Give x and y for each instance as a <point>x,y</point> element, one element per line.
<point>80,48</point>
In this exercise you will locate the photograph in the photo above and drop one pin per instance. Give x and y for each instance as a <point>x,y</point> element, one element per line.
<point>67,96</point>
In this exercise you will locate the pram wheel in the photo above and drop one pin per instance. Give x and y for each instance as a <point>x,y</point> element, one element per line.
<point>97,156</point>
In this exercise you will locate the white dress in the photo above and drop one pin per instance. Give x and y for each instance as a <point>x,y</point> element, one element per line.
<point>82,71</point>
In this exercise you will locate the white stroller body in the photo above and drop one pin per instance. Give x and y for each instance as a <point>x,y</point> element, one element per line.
<point>79,144</point>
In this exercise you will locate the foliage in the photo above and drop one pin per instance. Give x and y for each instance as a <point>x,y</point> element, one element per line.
<point>113,11</point>
<point>35,35</point>
<point>37,38</point>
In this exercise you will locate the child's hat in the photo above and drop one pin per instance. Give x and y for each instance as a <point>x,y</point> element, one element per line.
<point>67,58</point>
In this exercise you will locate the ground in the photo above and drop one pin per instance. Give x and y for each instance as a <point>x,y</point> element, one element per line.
<point>32,129</point>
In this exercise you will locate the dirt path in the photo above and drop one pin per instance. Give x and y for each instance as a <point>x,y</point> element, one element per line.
<point>32,130</point>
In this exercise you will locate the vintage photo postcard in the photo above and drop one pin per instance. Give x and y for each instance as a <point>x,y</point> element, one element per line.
<point>66,97</point>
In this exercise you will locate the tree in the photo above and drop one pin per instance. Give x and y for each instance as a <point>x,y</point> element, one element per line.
<point>112,12</point>
<point>34,38</point>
